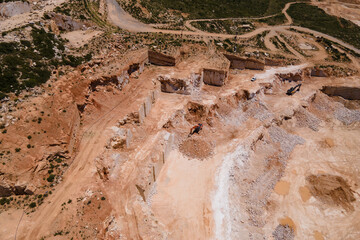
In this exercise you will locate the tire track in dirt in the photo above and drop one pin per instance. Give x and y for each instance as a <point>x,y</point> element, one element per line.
<point>79,173</point>
<point>120,16</point>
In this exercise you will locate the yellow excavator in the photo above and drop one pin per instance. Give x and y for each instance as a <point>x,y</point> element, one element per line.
<point>291,91</point>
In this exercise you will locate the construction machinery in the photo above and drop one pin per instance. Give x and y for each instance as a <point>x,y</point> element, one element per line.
<point>291,91</point>
<point>195,129</point>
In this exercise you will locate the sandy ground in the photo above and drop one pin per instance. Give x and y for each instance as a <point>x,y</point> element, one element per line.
<point>80,38</point>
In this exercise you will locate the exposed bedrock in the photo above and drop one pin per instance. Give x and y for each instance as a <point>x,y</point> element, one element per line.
<point>161,59</point>
<point>350,93</point>
<point>214,77</point>
<point>237,62</point>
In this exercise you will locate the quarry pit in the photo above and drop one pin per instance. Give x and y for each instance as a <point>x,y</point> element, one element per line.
<point>112,157</point>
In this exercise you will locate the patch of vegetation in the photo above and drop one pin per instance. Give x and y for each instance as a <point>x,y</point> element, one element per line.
<point>334,53</point>
<point>225,26</point>
<point>197,9</point>
<point>51,178</point>
<point>258,40</point>
<point>280,44</point>
<point>275,20</point>
<point>162,42</point>
<point>315,18</point>
<point>32,205</point>
<point>30,63</point>
<point>291,41</point>
<point>229,46</point>
<point>4,201</point>
<point>58,233</point>
<point>90,9</point>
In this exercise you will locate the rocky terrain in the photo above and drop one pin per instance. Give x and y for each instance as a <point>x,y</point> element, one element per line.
<point>96,110</point>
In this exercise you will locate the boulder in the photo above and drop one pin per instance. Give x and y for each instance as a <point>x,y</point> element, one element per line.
<point>10,9</point>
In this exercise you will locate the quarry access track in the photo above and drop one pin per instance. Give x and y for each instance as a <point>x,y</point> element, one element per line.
<point>122,19</point>
<point>77,176</point>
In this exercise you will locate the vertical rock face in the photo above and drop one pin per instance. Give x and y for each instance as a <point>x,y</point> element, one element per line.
<point>254,64</point>
<point>7,190</point>
<point>142,113</point>
<point>236,62</point>
<point>161,59</point>
<point>295,77</point>
<point>174,85</point>
<point>318,73</point>
<point>244,63</point>
<point>214,77</point>
<point>350,93</point>
<point>14,8</point>
<point>148,104</point>
<point>273,62</point>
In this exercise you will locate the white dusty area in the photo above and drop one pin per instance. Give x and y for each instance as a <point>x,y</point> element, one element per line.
<point>269,74</point>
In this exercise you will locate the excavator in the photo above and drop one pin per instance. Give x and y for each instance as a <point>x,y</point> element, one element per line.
<point>291,91</point>
<point>195,129</point>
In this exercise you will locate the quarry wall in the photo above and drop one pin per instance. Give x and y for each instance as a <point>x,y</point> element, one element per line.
<point>214,77</point>
<point>161,59</point>
<point>237,62</point>
<point>350,93</point>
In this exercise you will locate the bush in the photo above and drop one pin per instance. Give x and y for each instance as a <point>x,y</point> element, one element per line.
<point>32,205</point>
<point>17,149</point>
<point>2,201</point>
<point>315,18</point>
<point>51,178</point>
<point>212,8</point>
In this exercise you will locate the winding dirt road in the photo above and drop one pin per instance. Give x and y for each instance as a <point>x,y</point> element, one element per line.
<point>122,19</point>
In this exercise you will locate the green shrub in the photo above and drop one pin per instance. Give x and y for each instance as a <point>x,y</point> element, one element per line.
<point>51,178</point>
<point>32,205</point>
<point>2,201</point>
<point>317,19</point>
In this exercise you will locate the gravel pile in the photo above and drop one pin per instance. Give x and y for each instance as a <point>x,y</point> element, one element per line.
<point>287,141</point>
<point>258,110</point>
<point>347,116</point>
<point>196,147</point>
<point>306,119</point>
<point>283,232</point>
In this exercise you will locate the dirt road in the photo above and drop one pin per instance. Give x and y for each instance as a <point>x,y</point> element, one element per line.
<point>123,20</point>
<point>81,172</point>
